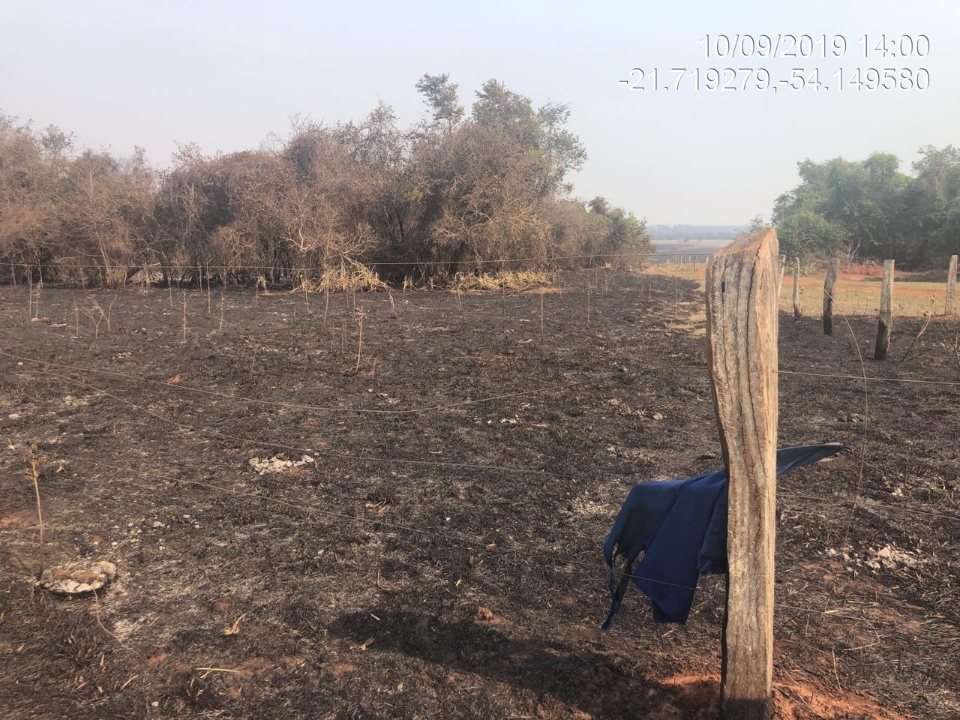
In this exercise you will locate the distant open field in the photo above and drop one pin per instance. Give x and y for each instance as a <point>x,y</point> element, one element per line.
<point>699,248</point>
<point>857,291</point>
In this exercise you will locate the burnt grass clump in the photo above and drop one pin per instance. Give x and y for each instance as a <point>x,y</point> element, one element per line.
<point>417,534</point>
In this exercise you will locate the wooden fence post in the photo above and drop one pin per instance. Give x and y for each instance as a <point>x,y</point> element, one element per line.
<point>952,286</point>
<point>742,326</point>
<point>783,267</point>
<point>886,313</point>
<point>797,312</point>
<point>831,280</point>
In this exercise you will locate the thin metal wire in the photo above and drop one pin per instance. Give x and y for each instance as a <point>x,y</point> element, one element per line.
<point>898,508</point>
<point>293,448</point>
<point>301,406</point>
<point>871,378</point>
<point>183,388</point>
<point>459,538</point>
<point>61,264</point>
<point>303,507</point>
<point>314,510</point>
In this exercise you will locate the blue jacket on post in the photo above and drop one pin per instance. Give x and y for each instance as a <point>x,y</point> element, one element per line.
<point>681,526</point>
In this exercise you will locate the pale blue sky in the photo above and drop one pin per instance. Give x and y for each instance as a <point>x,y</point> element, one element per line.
<point>226,74</point>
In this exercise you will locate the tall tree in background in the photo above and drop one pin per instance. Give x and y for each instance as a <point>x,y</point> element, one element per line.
<point>482,187</point>
<point>542,131</point>
<point>871,210</point>
<point>440,95</point>
<point>27,185</point>
<point>853,209</point>
<point>935,199</point>
<point>477,204</point>
<point>84,219</point>
<point>562,148</point>
<point>624,236</point>
<point>105,216</point>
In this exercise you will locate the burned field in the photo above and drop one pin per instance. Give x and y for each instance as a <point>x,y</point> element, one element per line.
<point>372,506</point>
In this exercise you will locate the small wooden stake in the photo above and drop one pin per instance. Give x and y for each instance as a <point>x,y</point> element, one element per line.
<point>359,315</point>
<point>797,311</point>
<point>34,476</point>
<point>541,316</point>
<point>184,316</point>
<point>832,271</point>
<point>951,306</point>
<point>886,313</point>
<point>742,327</point>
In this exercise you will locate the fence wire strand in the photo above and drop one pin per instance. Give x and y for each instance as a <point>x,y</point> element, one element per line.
<point>459,538</point>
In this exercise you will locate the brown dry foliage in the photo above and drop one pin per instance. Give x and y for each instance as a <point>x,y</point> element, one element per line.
<point>480,196</point>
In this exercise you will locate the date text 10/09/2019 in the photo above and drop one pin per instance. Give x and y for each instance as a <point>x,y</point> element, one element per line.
<point>744,79</point>
<point>780,45</point>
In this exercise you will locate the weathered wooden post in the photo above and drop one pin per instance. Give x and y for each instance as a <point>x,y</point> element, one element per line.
<point>885,327</point>
<point>831,280</point>
<point>783,267</point>
<point>742,326</point>
<point>797,312</point>
<point>952,287</point>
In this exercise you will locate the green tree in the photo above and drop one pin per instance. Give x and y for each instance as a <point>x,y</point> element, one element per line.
<point>542,131</point>
<point>935,201</point>
<point>627,236</point>
<point>440,95</point>
<point>805,233</point>
<point>576,234</point>
<point>848,208</point>
<point>562,148</point>
<point>508,112</point>
<point>599,205</point>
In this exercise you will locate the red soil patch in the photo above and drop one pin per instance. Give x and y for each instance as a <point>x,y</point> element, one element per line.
<point>697,696</point>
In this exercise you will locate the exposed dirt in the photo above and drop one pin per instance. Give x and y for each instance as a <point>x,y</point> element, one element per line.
<point>417,534</point>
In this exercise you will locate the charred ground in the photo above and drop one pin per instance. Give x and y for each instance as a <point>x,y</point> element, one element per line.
<point>437,552</point>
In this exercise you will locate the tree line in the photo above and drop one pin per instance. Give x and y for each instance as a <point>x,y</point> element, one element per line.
<point>455,193</point>
<point>870,210</point>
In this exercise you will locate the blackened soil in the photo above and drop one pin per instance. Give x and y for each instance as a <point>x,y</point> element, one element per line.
<point>348,507</point>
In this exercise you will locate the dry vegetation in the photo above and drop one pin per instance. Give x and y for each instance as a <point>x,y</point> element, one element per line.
<point>474,195</point>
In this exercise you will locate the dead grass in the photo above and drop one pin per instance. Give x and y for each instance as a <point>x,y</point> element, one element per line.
<point>348,277</point>
<point>504,280</point>
<point>694,323</point>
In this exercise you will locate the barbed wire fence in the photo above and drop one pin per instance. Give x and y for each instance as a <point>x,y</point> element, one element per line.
<point>110,387</point>
<point>187,388</point>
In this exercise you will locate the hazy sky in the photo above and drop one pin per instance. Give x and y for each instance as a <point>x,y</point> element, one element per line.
<point>226,74</point>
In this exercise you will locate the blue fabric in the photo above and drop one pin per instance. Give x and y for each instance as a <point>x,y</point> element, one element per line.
<point>681,526</point>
